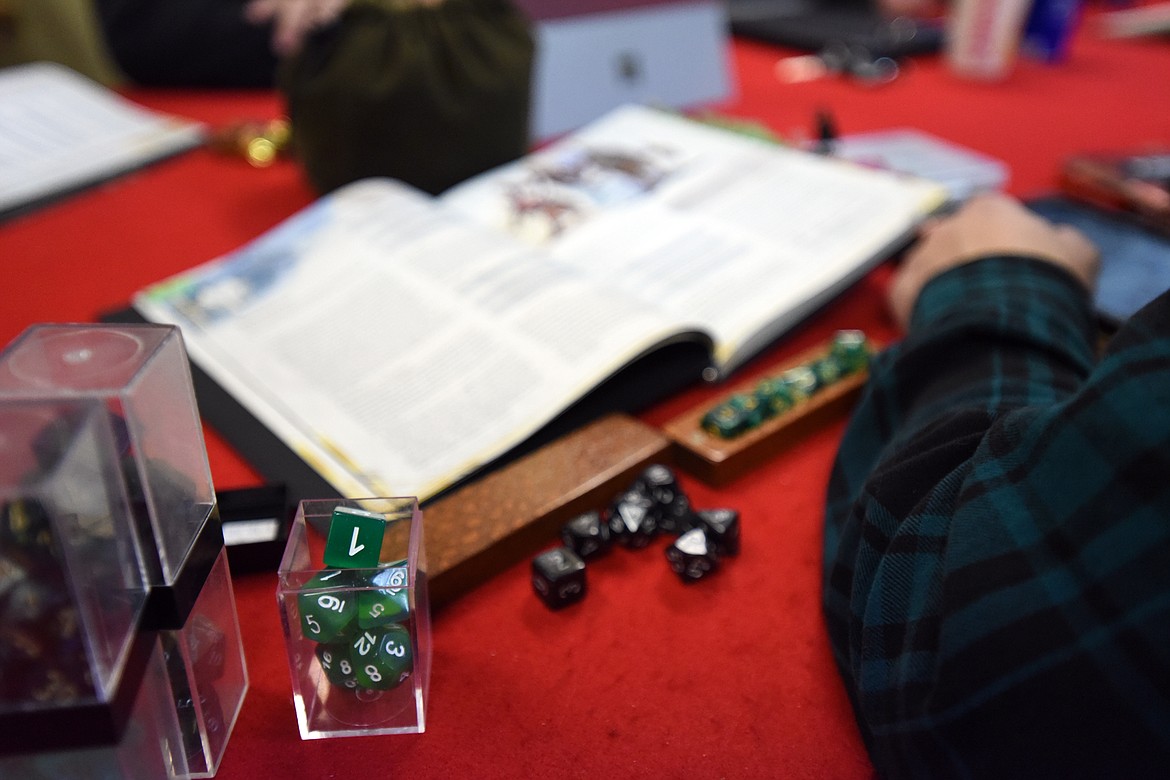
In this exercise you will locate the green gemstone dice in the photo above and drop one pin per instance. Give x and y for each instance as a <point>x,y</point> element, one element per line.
<point>355,539</point>
<point>847,354</point>
<point>388,602</point>
<point>381,659</point>
<point>334,660</point>
<point>328,606</point>
<point>851,351</point>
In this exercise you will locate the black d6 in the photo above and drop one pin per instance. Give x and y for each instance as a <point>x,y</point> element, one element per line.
<point>692,556</point>
<point>722,527</point>
<point>586,534</point>
<point>558,577</point>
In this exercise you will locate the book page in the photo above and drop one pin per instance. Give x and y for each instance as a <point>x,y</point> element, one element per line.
<point>396,348</point>
<point>59,131</point>
<point>744,236</point>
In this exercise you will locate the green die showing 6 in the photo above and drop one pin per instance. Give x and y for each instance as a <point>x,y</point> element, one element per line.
<point>355,538</point>
<point>382,659</point>
<point>327,615</point>
<point>388,603</point>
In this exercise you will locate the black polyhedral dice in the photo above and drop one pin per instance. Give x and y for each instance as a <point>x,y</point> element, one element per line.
<point>586,534</point>
<point>633,519</point>
<point>674,507</point>
<point>692,556</point>
<point>558,576</point>
<point>722,526</point>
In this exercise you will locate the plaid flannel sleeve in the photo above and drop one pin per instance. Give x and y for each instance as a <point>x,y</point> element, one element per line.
<point>997,537</point>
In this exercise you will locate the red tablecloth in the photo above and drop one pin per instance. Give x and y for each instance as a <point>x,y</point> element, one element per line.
<point>731,677</point>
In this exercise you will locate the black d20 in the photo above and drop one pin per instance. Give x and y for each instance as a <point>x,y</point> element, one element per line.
<point>692,556</point>
<point>558,577</point>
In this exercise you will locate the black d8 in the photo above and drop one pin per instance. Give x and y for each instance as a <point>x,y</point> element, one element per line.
<point>586,534</point>
<point>692,556</point>
<point>558,577</point>
<point>674,508</point>
<point>722,526</point>
<point>633,519</point>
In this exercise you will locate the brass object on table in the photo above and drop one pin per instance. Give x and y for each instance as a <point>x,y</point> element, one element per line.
<point>258,142</point>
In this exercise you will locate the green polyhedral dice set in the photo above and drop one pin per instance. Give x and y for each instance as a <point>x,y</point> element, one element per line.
<point>848,354</point>
<point>359,619</point>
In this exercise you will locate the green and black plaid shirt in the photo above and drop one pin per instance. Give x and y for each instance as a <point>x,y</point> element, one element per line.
<point>997,539</point>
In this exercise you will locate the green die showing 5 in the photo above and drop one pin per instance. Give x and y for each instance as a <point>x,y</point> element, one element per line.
<point>355,538</point>
<point>327,614</point>
<point>388,603</point>
<point>382,659</point>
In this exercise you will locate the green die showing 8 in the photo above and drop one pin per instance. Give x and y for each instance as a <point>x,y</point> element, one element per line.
<point>382,659</point>
<point>327,615</point>
<point>334,660</point>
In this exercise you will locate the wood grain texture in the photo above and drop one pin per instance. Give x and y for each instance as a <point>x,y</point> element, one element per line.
<point>513,513</point>
<point>718,461</point>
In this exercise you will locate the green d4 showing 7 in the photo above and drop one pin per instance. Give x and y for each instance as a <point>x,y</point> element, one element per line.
<point>355,539</point>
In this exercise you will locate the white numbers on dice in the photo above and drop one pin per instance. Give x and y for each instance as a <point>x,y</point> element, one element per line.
<point>395,649</point>
<point>397,578</point>
<point>331,602</point>
<point>365,643</point>
<point>327,660</point>
<point>377,609</point>
<point>373,673</point>
<point>345,666</point>
<point>314,626</point>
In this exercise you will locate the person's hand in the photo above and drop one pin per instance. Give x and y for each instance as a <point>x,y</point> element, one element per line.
<point>293,20</point>
<point>990,224</point>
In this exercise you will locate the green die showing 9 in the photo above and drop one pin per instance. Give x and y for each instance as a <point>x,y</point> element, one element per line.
<point>327,614</point>
<point>381,659</point>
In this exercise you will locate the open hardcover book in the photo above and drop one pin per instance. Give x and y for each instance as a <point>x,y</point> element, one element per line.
<point>61,132</point>
<point>398,342</point>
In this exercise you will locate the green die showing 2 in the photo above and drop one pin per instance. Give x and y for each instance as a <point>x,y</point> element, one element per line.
<point>355,539</point>
<point>381,659</point>
<point>388,602</point>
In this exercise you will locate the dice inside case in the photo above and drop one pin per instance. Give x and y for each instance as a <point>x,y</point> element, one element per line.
<point>328,701</point>
<point>135,383</point>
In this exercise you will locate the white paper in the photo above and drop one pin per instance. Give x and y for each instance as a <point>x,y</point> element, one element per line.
<point>60,131</point>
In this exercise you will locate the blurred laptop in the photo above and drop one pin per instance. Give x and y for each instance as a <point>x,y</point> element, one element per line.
<point>817,25</point>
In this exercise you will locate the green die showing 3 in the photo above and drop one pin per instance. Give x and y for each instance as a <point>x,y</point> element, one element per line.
<point>381,659</point>
<point>355,538</point>
<point>334,660</point>
<point>388,603</point>
<point>327,614</point>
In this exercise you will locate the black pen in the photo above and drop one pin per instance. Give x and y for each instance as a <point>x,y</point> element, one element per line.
<point>826,132</point>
